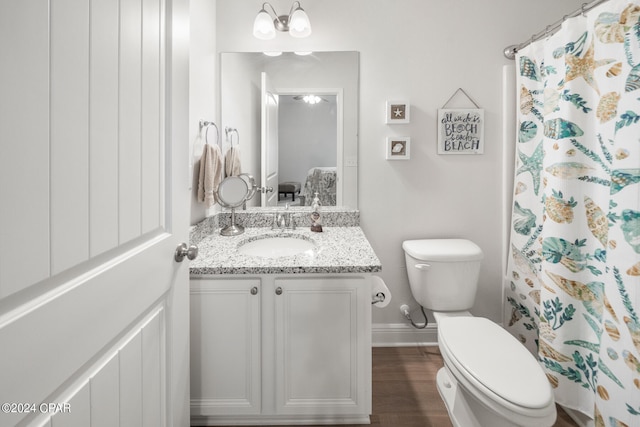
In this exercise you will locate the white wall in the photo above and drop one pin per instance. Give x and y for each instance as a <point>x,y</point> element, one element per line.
<point>243,88</point>
<point>307,137</point>
<point>422,51</point>
<point>203,89</point>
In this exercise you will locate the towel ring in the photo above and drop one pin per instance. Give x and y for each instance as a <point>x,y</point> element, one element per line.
<point>206,133</point>
<point>228,131</point>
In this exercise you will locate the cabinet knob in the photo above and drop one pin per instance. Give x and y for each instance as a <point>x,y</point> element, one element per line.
<point>254,290</point>
<point>278,290</point>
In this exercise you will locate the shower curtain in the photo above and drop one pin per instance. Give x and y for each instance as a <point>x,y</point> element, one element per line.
<point>573,278</point>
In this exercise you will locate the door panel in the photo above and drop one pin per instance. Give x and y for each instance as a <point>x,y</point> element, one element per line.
<point>105,387</point>
<point>93,308</point>
<point>116,390</point>
<point>151,195</point>
<point>75,418</point>
<point>103,127</point>
<point>130,126</point>
<point>69,98</point>
<point>129,358</point>
<point>22,137</point>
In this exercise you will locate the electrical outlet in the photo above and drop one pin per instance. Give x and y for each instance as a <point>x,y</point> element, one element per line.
<point>351,162</point>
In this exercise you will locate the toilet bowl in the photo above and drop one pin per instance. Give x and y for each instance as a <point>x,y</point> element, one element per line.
<point>489,379</point>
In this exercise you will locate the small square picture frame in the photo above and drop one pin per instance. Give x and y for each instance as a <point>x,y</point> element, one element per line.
<point>398,148</point>
<point>398,112</point>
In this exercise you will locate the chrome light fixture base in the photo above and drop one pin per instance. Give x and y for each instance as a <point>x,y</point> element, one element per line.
<point>296,23</point>
<point>281,23</point>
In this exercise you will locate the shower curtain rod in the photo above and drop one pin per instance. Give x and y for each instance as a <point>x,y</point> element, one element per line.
<point>510,51</point>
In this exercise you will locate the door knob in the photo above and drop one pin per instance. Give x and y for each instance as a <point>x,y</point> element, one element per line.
<point>183,250</point>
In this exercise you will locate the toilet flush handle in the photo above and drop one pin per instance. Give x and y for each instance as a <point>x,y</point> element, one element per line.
<point>422,266</point>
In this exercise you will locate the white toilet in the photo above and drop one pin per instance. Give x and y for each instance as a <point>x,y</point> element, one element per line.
<point>489,378</point>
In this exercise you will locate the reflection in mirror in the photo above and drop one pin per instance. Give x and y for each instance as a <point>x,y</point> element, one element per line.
<point>317,143</point>
<point>308,148</point>
<point>251,185</point>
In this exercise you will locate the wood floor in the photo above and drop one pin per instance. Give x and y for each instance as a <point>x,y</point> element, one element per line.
<point>405,393</point>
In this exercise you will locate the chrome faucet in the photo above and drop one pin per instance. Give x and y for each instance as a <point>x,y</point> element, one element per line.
<point>284,220</point>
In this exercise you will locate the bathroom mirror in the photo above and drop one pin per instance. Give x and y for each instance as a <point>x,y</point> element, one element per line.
<point>293,76</point>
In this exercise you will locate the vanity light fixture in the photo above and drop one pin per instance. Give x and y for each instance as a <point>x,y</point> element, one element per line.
<point>296,22</point>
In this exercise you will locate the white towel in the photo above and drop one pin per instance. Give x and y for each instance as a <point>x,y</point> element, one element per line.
<point>232,162</point>
<point>210,174</point>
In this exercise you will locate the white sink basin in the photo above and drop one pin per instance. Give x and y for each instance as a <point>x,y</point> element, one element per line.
<point>277,246</point>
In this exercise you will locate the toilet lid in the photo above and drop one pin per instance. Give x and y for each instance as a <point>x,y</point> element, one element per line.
<point>490,355</point>
<point>443,250</point>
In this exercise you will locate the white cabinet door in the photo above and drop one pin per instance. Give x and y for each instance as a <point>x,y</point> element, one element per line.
<point>323,347</point>
<point>225,347</point>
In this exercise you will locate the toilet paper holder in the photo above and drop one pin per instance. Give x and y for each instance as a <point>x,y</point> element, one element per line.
<point>380,293</point>
<point>379,297</point>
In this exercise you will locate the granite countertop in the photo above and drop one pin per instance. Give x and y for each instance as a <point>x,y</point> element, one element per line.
<point>337,250</point>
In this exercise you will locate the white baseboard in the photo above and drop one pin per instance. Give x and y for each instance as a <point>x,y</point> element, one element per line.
<point>272,420</point>
<point>402,335</point>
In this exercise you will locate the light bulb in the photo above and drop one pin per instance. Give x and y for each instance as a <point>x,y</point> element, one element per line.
<point>312,99</point>
<point>299,25</point>
<point>263,27</point>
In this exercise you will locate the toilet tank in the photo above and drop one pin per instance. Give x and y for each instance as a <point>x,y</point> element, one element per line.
<point>443,273</point>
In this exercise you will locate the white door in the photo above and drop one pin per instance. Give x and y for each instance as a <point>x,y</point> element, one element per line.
<point>269,146</point>
<point>94,201</point>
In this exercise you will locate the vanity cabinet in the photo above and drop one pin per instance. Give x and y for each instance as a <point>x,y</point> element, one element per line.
<point>281,349</point>
<point>225,347</point>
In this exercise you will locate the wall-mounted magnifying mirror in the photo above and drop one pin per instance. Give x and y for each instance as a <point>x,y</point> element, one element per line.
<point>233,192</point>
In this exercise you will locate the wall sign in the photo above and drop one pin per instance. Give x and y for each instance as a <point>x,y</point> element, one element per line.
<point>461,131</point>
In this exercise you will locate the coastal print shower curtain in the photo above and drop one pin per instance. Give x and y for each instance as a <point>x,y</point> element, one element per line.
<point>573,285</point>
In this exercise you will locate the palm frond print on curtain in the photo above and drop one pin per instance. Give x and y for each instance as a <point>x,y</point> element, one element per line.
<point>573,294</point>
